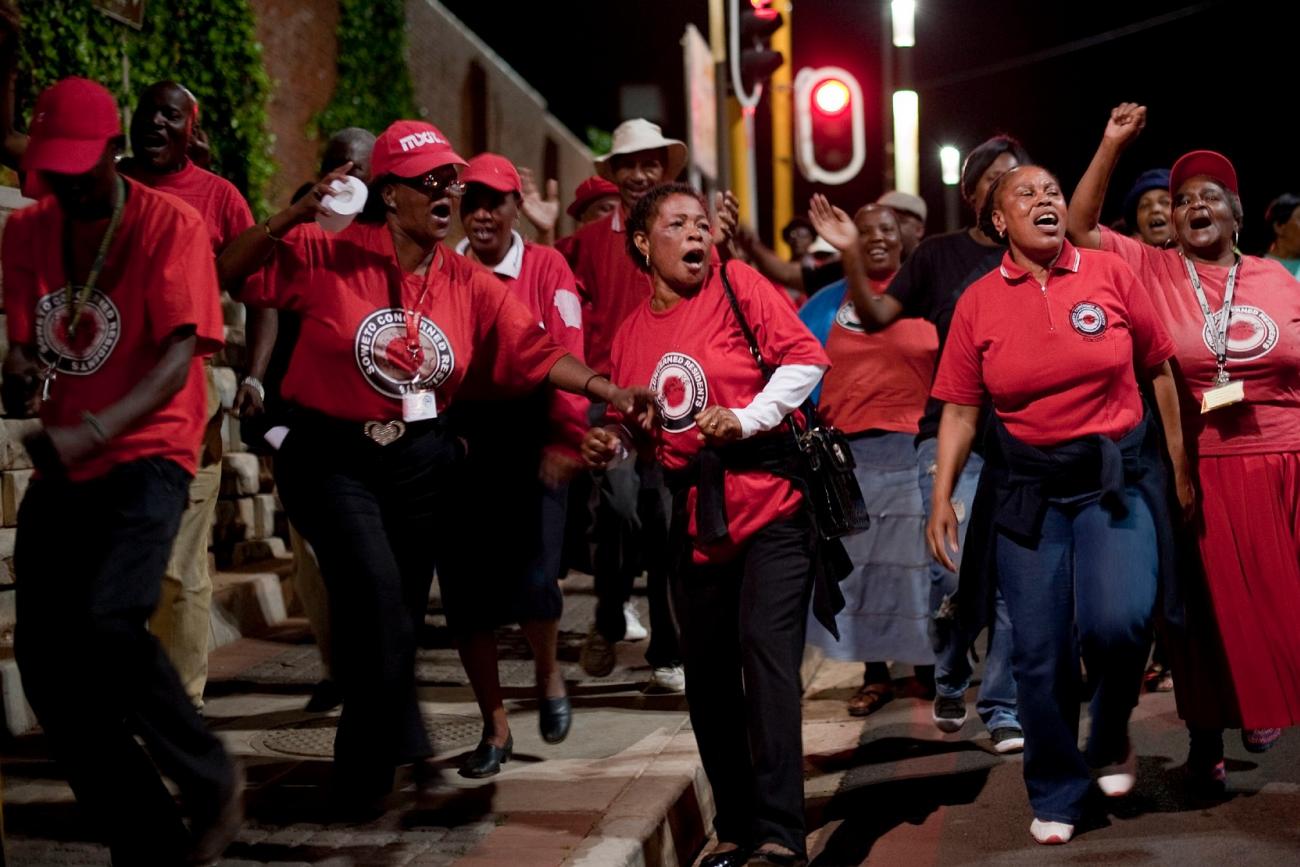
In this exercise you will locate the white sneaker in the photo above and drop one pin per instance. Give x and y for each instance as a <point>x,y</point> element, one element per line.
<point>671,678</point>
<point>633,630</point>
<point>1116,781</point>
<point>1051,833</point>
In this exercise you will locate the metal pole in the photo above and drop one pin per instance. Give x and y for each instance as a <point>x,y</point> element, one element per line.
<point>781,102</point>
<point>718,42</point>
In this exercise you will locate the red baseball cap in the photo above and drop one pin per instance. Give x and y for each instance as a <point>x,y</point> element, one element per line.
<point>1212,164</point>
<point>74,119</point>
<point>493,170</point>
<point>411,148</point>
<point>593,188</point>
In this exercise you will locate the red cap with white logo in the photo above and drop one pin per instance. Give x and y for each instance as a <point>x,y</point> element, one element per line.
<point>73,122</point>
<point>411,148</point>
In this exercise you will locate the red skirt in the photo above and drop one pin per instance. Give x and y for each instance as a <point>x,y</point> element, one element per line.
<point>1250,548</point>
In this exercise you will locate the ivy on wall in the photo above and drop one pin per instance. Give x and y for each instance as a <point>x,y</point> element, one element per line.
<point>210,46</point>
<point>374,84</point>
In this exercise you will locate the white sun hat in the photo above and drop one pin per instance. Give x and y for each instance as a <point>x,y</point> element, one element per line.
<point>639,134</point>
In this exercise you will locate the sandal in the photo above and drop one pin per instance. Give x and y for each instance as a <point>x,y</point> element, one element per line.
<point>870,698</point>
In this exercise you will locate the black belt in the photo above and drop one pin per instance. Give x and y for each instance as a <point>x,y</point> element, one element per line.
<point>382,432</point>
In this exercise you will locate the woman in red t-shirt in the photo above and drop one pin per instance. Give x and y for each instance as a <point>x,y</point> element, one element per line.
<point>1244,438</point>
<point>392,324</point>
<point>875,392</point>
<point>1053,338</point>
<point>742,573</point>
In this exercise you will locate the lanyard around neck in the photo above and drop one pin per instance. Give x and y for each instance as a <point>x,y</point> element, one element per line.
<point>77,297</point>
<point>1219,326</point>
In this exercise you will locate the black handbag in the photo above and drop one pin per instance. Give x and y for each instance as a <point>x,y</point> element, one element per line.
<point>825,465</point>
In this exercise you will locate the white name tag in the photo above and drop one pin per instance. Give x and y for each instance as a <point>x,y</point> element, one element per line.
<point>1222,395</point>
<point>419,406</point>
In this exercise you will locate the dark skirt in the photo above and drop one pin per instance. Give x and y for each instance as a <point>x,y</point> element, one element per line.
<point>501,562</point>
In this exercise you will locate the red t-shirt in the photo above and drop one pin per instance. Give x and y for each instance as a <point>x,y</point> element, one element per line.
<point>222,207</point>
<point>694,356</point>
<point>159,277</point>
<point>351,360</point>
<point>1263,346</point>
<point>879,380</point>
<point>611,284</point>
<point>539,277</point>
<point>1057,360</point>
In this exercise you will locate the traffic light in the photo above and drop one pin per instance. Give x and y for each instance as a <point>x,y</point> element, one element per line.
<point>829,124</point>
<point>752,60</point>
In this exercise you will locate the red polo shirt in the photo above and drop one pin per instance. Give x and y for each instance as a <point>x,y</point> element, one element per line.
<point>611,284</point>
<point>1263,346</point>
<point>1056,359</point>
<point>159,277</point>
<point>694,356</point>
<point>351,360</point>
<point>222,207</point>
<point>541,280</point>
<point>878,380</point>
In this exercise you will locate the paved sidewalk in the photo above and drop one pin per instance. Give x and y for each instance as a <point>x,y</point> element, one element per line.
<point>621,790</point>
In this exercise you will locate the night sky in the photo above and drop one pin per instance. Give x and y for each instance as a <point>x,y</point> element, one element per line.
<point>1223,75</point>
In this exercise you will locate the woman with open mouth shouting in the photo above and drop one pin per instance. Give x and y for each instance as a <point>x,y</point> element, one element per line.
<point>393,322</point>
<point>742,572</point>
<point>1071,515</point>
<point>1235,323</point>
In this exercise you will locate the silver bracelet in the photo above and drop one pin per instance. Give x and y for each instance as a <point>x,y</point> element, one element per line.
<point>257,386</point>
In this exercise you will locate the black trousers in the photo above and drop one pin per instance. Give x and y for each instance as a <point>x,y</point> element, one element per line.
<point>89,561</point>
<point>375,516</point>
<point>742,629</point>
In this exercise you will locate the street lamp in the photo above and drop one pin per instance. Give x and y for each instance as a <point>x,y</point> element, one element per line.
<point>950,165</point>
<point>903,13</point>
<point>907,119</point>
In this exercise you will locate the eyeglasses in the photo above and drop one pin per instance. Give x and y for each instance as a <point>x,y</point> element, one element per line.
<point>433,186</point>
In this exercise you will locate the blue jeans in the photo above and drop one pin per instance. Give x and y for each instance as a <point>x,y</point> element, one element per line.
<point>1089,588</point>
<point>996,702</point>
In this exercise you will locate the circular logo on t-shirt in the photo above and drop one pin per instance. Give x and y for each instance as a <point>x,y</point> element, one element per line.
<point>85,350</point>
<point>1088,319</point>
<point>681,391</point>
<point>1252,333</point>
<point>386,361</point>
<point>847,317</point>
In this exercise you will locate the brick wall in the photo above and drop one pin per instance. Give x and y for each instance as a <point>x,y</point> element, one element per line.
<point>299,50</point>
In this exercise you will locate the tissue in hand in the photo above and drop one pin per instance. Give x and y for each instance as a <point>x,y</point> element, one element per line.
<point>343,204</point>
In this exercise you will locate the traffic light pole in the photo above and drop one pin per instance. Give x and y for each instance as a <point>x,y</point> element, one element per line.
<point>781,103</point>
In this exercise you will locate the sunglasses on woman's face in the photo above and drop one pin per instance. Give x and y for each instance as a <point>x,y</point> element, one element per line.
<point>435,186</point>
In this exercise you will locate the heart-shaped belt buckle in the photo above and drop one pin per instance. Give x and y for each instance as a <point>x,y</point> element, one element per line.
<point>385,432</point>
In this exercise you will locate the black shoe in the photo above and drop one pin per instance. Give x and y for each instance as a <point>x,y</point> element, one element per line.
<point>325,696</point>
<point>730,858</point>
<point>486,759</point>
<point>554,717</point>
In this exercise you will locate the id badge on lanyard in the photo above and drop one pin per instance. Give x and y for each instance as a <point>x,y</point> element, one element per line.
<point>418,404</point>
<point>1225,391</point>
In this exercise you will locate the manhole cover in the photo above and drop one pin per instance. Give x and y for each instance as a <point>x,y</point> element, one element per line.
<point>314,739</point>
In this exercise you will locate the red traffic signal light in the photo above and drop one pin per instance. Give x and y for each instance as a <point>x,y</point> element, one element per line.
<point>829,124</point>
<point>831,96</point>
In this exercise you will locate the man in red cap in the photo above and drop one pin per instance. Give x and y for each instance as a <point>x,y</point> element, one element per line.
<point>162,130</point>
<point>111,306</point>
<point>594,198</point>
<point>522,454</point>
